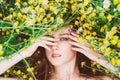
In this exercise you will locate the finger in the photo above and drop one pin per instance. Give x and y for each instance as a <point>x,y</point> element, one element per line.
<point>75,34</point>
<point>77,44</point>
<point>78,49</point>
<point>46,47</point>
<point>49,39</point>
<point>73,38</point>
<point>46,42</point>
<point>43,45</point>
<point>76,40</point>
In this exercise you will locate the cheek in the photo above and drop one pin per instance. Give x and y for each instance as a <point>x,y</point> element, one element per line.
<point>65,47</point>
<point>66,50</point>
<point>67,53</point>
<point>48,54</point>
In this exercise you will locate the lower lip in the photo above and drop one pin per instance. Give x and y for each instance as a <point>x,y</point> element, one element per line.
<point>56,55</point>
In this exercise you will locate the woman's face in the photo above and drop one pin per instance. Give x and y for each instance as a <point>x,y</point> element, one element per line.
<point>62,52</point>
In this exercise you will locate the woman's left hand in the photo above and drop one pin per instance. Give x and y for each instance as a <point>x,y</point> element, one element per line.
<point>89,52</point>
<point>83,48</point>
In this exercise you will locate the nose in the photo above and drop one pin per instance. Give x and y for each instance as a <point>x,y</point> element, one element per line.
<point>55,47</point>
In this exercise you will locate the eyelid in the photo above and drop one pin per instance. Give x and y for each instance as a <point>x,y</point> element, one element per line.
<point>63,38</point>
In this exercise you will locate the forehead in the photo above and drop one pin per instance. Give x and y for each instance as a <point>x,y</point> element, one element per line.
<point>62,31</point>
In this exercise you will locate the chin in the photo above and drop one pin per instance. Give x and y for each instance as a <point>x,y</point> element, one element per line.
<point>56,63</point>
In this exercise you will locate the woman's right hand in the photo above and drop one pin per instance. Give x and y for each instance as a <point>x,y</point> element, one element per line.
<point>45,42</point>
<point>42,42</point>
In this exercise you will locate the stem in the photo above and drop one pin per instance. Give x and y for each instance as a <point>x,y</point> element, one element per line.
<point>30,68</point>
<point>10,47</point>
<point>5,22</point>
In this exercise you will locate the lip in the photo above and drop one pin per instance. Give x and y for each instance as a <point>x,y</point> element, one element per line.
<point>56,55</point>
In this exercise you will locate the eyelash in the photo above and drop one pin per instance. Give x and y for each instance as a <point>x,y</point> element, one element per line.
<point>63,39</point>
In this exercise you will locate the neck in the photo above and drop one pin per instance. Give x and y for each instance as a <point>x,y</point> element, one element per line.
<point>67,70</point>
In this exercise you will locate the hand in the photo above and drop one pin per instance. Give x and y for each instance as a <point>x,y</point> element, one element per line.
<point>83,48</point>
<point>40,42</point>
<point>91,54</point>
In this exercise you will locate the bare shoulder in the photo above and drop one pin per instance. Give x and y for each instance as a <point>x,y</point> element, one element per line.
<point>86,77</point>
<point>100,78</point>
<point>2,78</point>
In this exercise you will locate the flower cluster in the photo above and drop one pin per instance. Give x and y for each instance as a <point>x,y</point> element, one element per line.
<point>22,23</point>
<point>98,23</point>
<point>100,26</point>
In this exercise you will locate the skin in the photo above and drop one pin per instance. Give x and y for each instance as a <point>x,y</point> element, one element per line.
<point>65,65</point>
<point>64,43</point>
<point>62,47</point>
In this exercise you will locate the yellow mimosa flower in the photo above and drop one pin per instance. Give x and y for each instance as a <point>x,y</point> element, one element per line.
<point>29,69</point>
<point>113,61</point>
<point>114,41</point>
<point>82,64</point>
<point>15,24</point>
<point>18,1</point>
<point>17,30</point>
<point>86,1</point>
<point>1,52</point>
<point>102,14</point>
<point>94,33</point>
<point>24,76</point>
<point>11,9</point>
<point>118,44</point>
<point>119,54</point>
<point>25,3</point>
<point>76,22</point>
<point>0,14</point>
<point>39,62</point>
<point>88,37</point>
<point>94,70</point>
<point>118,6</point>
<point>73,8</point>
<point>106,71</point>
<point>4,18</point>
<point>115,2</point>
<point>118,62</point>
<point>19,15</point>
<point>32,40</point>
<point>19,72</point>
<point>109,17</point>
<point>98,65</point>
<point>30,78</point>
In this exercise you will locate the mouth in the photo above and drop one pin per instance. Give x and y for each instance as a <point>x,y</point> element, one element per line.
<point>56,55</point>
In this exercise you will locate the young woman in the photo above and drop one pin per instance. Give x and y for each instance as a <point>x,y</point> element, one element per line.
<point>61,57</point>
